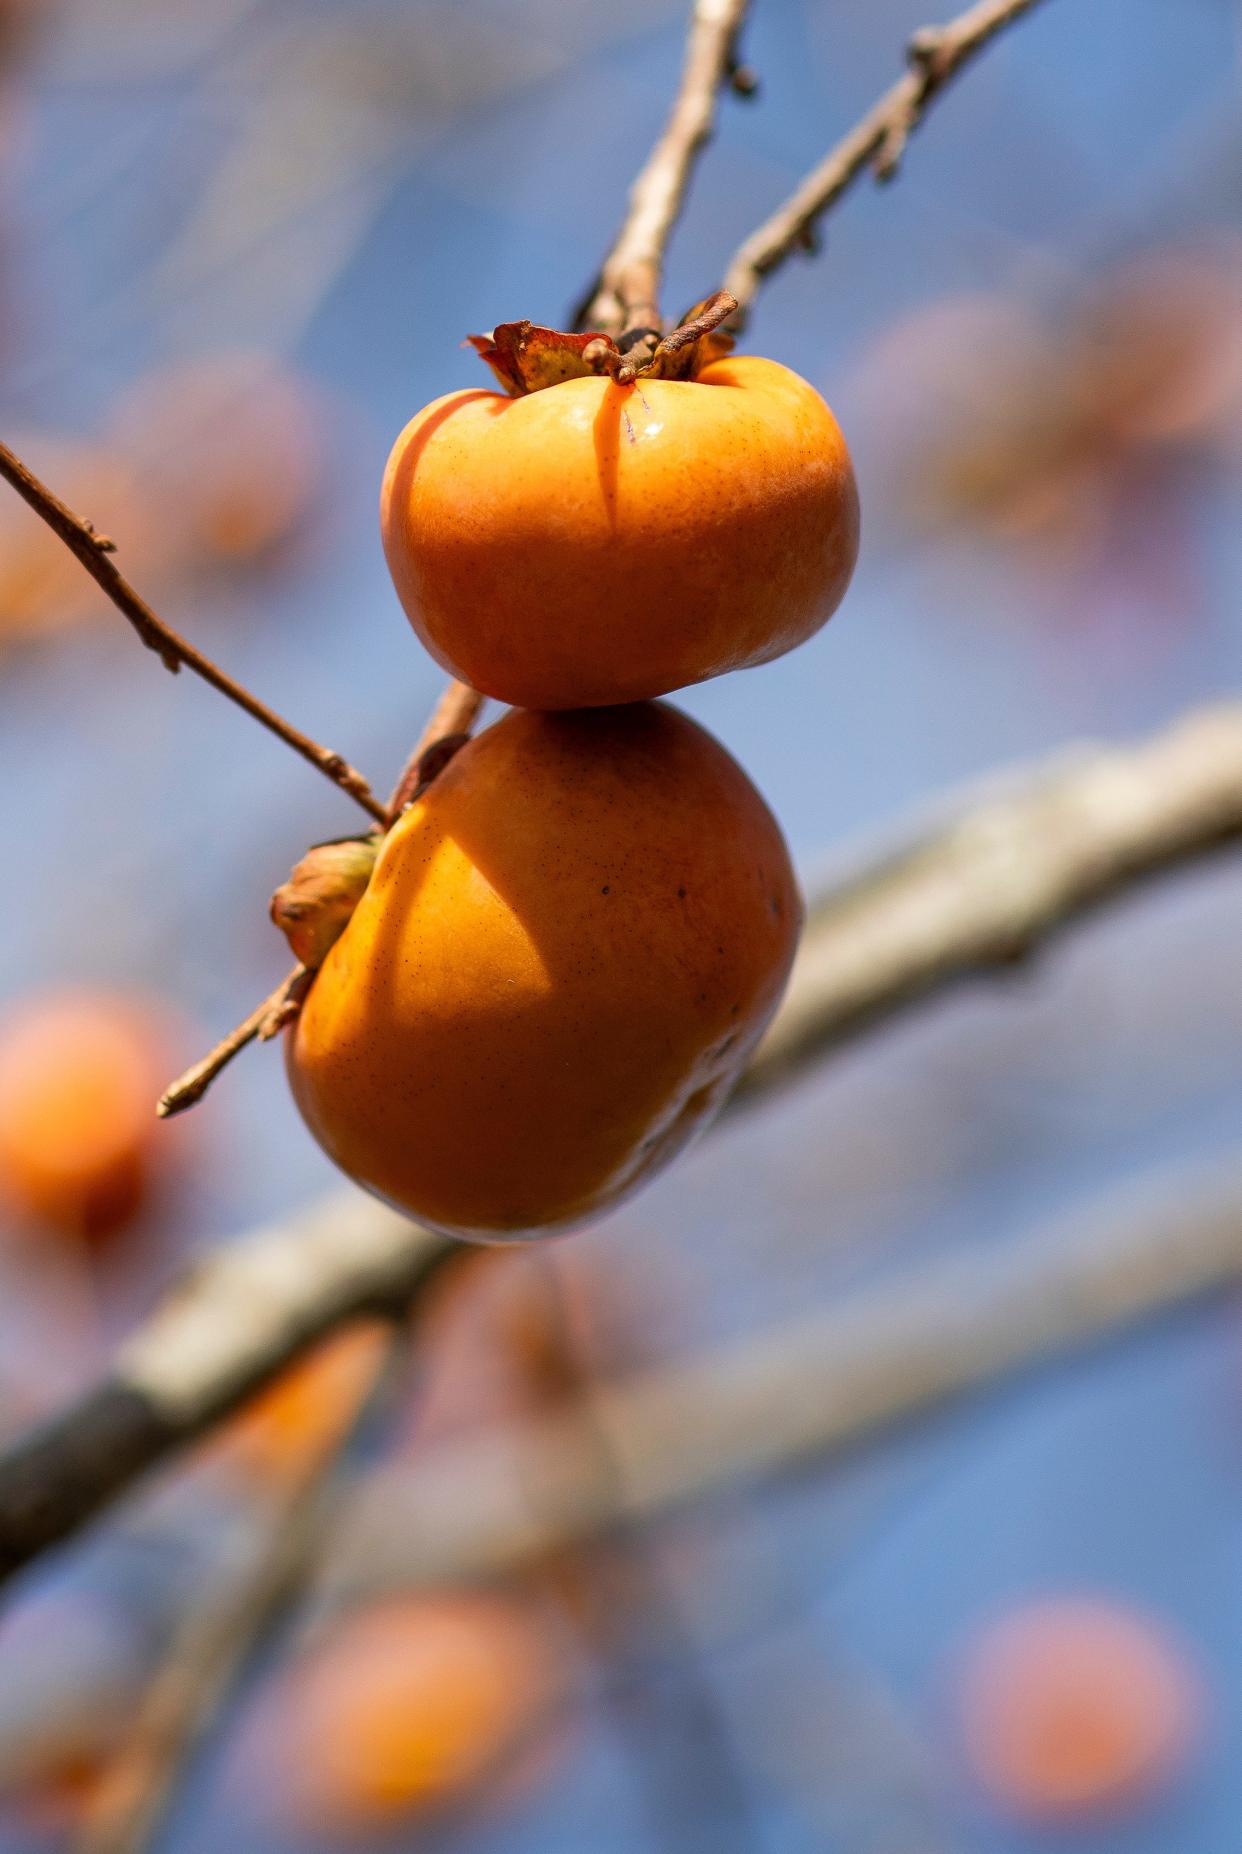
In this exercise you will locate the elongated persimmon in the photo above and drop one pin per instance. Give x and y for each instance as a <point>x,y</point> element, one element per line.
<point>568,948</point>
<point>594,543</point>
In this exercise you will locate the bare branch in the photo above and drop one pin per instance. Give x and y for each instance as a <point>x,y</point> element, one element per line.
<point>216,1636</point>
<point>627,294</point>
<point>877,142</point>
<point>95,551</point>
<point>804,1391</point>
<point>248,1310</point>
<point>985,890</point>
<point>968,897</point>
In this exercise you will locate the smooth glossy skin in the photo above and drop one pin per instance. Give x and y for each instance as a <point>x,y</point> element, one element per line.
<point>568,949</point>
<point>592,543</point>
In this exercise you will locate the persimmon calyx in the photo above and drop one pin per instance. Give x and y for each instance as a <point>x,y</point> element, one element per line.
<point>314,907</point>
<point>526,357</point>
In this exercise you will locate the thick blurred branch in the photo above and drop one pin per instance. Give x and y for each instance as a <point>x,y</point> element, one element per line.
<point>627,293</point>
<point>970,896</point>
<point>248,1309</point>
<point>877,142</point>
<point>986,889</point>
<point>801,1392</point>
<point>95,553</point>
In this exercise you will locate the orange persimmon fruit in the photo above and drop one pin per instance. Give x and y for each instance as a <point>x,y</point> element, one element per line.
<point>79,1072</point>
<point>1076,1707</point>
<point>408,1704</point>
<point>592,543</point>
<point>568,949</point>
<point>311,1405</point>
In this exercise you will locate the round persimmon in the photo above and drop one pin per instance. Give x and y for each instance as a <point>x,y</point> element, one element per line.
<point>408,1704</point>
<point>79,1074</point>
<point>1075,1707</point>
<point>592,543</point>
<point>569,946</point>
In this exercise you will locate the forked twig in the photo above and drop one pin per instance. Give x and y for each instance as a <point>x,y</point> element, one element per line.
<point>877,143</point>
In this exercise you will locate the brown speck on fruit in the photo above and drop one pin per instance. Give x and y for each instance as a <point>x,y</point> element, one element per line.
<point>681,894</point>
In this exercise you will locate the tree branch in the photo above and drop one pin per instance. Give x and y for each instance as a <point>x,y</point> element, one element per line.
<point>94,551</point>
<point>248,1310</point>
<point>988,888</point>
<point>967,898</point>
<point>627,292</point>
<point>877,143</point>
<point>217,1635</point>
<point>807,1390</point>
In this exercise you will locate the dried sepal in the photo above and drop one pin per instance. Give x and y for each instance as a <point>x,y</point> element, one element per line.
<point>313,908</point>
<point>526,358</point>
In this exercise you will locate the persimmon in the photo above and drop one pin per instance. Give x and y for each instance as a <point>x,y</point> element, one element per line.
<point>406,1705</point>
<point>79,1070</point>
<point>568,948</point>
<point>594,543</point>
<point>1075,1707</point>
<point>310,1405</point>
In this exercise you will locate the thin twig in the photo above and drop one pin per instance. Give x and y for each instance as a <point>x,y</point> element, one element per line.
<point>877,143</point>
<point>618,1598</point>
<point>261,1024</point>
<point>94,551</point>
<point>627,294</point>
<point>216,1637</point>
<point>802,1392</point>
<point>452,721</point>
<point>968,898</point>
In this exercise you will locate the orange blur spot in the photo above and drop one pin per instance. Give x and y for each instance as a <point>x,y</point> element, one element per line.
<point>1075,1707</point>
<point>79,1075</point>
<point>308,1407</point>
<point>409,1705</point>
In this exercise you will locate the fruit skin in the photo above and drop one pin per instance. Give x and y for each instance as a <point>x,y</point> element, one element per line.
<point>569,947</point>
<point>593,543</point>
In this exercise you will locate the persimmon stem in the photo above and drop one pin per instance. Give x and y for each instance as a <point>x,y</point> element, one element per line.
<point>94,552</point>
<point>876,143</point>
<point>450,726</point>
<point>627,292</point>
